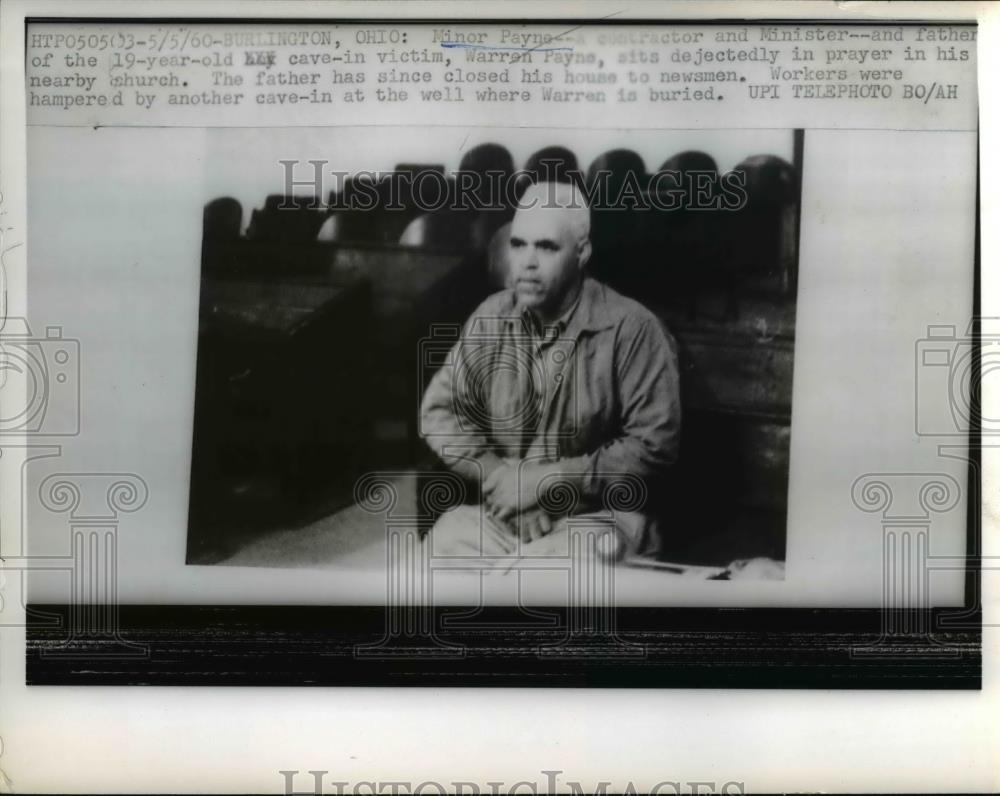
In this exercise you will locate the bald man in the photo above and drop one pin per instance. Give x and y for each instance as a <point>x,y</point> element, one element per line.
<point>560,401</point>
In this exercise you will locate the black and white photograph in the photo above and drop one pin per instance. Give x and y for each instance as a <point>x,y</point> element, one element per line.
<point>506,360</point>
<point>430,397</point>
<point>526,334</point>
<point>676,356</point>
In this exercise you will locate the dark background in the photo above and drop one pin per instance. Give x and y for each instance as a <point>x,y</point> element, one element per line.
<point>317,332</point>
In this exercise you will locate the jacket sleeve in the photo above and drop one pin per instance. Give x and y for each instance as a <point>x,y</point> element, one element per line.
<point>448,426</point>
<point>647,441</point>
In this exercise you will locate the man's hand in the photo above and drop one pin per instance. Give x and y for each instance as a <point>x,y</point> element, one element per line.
<point>532,525</point>
<point>513,489</point>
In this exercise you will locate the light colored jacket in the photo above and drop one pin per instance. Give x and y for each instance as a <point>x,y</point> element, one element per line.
<point>599,391</point>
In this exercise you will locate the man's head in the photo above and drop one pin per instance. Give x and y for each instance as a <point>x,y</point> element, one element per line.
<point>549,246</point>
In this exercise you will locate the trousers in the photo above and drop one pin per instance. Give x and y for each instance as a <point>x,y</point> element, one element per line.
<point>469,531</point>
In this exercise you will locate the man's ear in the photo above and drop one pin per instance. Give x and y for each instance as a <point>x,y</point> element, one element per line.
<point>584,253</point>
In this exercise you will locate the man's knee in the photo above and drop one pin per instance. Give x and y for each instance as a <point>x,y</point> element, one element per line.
<point>638,531</point>
<point>621,535</point>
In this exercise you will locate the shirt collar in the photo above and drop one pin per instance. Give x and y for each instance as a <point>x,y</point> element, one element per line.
<point>550,330</point>
<point>588,314</point>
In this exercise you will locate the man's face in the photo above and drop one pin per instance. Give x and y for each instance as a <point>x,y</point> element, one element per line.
<point>545,256</point>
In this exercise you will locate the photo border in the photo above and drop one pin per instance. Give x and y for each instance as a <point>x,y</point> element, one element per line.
<point>682,647</point>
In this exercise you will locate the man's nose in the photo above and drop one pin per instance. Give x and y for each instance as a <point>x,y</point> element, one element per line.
<point>531,258</point>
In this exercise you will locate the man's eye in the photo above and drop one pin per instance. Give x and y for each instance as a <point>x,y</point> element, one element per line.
<point>516,244</point>
<point>548,246</point>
